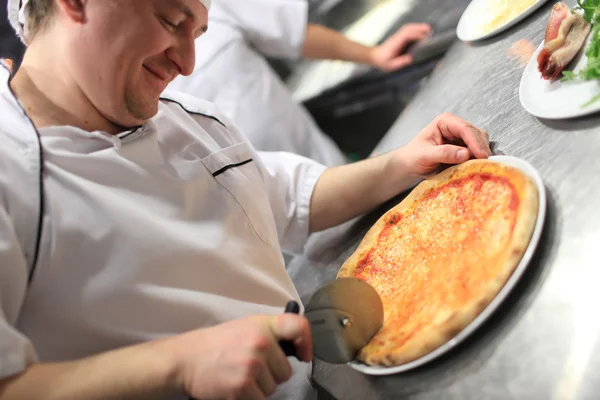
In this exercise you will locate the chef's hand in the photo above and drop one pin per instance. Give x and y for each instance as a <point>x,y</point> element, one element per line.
<point>390,55</point>
<point>448,139</point>
<point>240,359</point>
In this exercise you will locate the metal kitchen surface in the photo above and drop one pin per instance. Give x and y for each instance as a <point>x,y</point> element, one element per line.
<point>543,342</point>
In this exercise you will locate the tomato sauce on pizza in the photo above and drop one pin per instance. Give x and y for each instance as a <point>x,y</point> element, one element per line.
<point>440,256</point>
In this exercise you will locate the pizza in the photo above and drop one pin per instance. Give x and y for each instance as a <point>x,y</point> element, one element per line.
<point>440,256</point>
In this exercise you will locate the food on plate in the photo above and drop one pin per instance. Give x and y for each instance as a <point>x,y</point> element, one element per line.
<point>565,35</point>
<point>591,13</point>
<point>501,12</point>
<point>440,256</point>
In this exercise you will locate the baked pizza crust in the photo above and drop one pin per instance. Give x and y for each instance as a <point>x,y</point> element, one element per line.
<point>448,323</point>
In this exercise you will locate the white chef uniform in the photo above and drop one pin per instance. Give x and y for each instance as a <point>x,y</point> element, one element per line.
<point>166,228</point>
<point>231,72</point>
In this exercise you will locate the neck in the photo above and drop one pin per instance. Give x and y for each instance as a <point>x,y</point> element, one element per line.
<point>51,96</point>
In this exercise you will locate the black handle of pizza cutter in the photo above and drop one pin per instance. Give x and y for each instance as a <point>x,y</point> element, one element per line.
<point>287,345</point>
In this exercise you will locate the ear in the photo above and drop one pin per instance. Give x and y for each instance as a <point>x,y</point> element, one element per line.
<point>73,9</point>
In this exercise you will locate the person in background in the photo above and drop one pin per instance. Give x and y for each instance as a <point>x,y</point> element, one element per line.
<point>232,71</point>
<point>11,47</point>
<point>140,232</point>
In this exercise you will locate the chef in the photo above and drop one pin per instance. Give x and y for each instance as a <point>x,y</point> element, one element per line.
<point>231,70</point>
<point>141,233</point>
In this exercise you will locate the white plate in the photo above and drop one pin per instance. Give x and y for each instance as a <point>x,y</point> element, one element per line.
<point>502,294</point>
<point>556,99</point>
<point>479,13</point>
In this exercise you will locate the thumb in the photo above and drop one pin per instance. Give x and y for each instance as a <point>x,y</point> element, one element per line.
<point>294,328</point>
<point>449,154</point>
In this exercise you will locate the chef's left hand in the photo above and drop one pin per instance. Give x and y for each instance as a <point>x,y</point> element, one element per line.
<point>390,55</point>
<point>448,139</point>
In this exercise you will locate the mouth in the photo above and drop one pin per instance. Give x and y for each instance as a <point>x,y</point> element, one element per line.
<point>158,74</point>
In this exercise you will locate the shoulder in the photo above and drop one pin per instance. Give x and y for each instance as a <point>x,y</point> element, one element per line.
<point>184,109</point>
<point>192,105</point>
<point>19,145</point>
<point>20,158</point>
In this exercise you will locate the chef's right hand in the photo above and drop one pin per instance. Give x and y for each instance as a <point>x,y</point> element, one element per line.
<point>240,359</point>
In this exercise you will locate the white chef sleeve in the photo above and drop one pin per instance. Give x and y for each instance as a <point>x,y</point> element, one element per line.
<point>290,180</point>
<point>275,27</point>
<point>16,351</point>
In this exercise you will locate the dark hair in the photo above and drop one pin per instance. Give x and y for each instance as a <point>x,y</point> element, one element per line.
<point>39,13</point>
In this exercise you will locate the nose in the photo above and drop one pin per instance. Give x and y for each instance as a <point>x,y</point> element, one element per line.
<point>184,55</point>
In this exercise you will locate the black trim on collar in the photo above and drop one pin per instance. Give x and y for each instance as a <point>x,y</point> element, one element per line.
<point>225,168</point>
<point>42,207</point>
<point>193,112</point>
<point>125,134</point>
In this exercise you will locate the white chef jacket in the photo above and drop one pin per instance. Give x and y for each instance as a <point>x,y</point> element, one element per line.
<point>166,228</point>
<point>231,72</point>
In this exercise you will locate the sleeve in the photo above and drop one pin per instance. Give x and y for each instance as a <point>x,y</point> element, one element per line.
<point>290,180</point>
<point>16,351</point>
<point>275,27</point>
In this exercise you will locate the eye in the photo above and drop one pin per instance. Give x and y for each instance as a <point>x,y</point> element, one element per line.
<point>169,25</point>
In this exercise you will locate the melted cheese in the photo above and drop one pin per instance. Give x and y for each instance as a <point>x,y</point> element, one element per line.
<point>437,256</point>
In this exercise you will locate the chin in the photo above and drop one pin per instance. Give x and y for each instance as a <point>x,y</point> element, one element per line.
<point>142,109</point>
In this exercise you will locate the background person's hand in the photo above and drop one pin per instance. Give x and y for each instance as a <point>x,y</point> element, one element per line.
<point>391,54</point>
<point>240,359</point>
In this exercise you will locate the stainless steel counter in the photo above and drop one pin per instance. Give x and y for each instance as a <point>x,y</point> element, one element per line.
<point>543,342</point>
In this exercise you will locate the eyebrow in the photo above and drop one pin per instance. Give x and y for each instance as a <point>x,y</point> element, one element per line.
<point>188,13</point>
<point>184,9</point>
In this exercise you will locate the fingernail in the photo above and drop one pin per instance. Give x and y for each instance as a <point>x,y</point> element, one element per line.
<point>462,155</point>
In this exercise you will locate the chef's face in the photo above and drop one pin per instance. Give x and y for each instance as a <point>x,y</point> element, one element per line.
<point>128,51</point>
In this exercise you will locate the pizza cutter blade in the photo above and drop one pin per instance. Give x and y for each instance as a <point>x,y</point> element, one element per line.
<point>344,315</point>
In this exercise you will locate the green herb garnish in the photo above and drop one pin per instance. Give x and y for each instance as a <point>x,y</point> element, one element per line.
<point>590,8</point>
<point>591,13</point>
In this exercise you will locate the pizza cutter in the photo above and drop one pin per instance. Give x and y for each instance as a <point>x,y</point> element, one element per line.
<point>344,315</point>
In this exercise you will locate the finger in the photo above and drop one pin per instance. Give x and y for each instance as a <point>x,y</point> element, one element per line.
<point>483,139</point>
<point>400,62</point>
<point>266,380</point>
<point>408,34</point>
<point>486,135</point>
<point>250,392</point>
<point>301,343</point>
<point>421,31</point>
<point>416,28</point>
<point>477,135</point>
<point>278,364</point>
<point>454,128</point>
<point>415,34</point>
<point>449,154</point>
<point>419,25</point>
<point>295,328</point>
<point>279,367</point>
<point>406,37</point>
<point>481,135</point>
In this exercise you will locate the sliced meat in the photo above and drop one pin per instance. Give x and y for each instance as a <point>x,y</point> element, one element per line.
<point>563,43</point>
<point>560,11</point>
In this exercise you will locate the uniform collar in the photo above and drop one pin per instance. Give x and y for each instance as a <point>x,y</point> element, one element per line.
<point>7,93</point>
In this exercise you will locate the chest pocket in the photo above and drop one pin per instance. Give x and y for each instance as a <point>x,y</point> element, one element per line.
<point>236,170</point>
